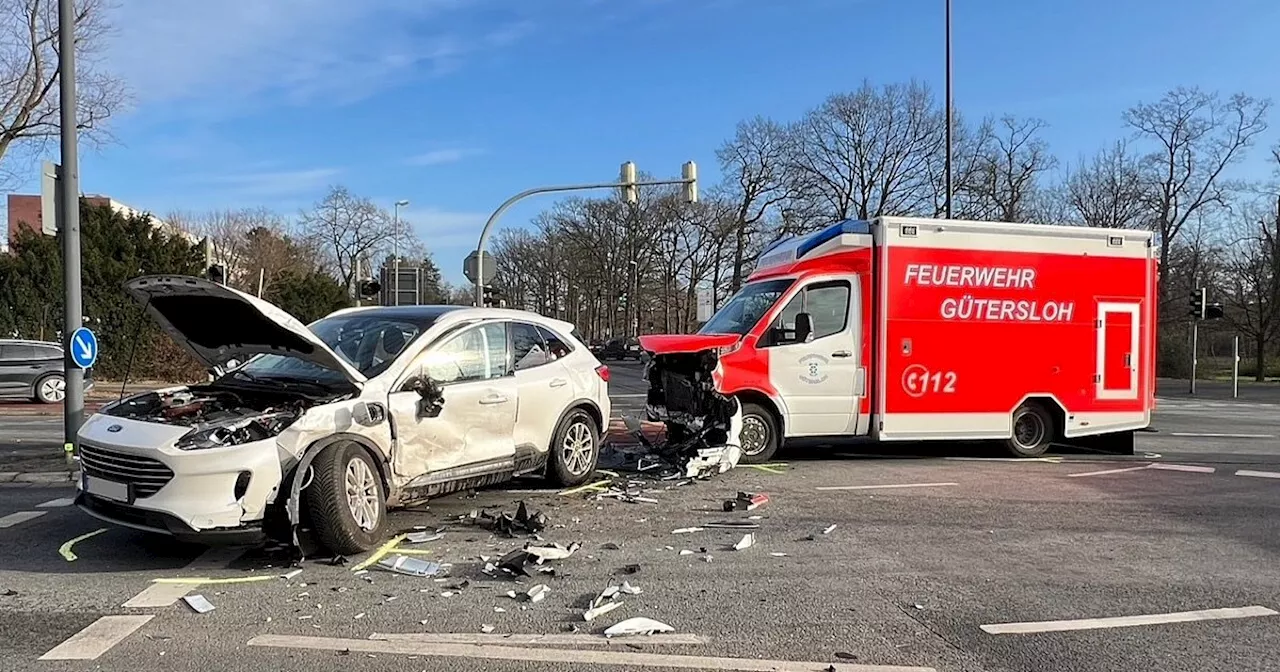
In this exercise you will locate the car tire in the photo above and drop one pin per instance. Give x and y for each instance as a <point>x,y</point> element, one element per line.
<point>760,429</point>
<point>345,523</point>
<point>51,389</point>
<point>1033,431</point>
<point>574,450</point>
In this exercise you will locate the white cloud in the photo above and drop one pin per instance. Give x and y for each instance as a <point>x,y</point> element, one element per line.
<point>439,156</point>
<point>237,53</point>
<point>445,229</point>
<point>277,183</point>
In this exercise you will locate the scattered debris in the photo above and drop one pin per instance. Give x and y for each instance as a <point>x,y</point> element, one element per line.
<point>778,555</point>
<point>637,626</point>
<point>629,589</point>
<point>686,530</point>
<point>514,562</point>
<point>486,628</point>
<point>358,616</point>
<point>610,547</point>
<point>733,525</point>
<point>845,656</point>
<point>338,561</point>
<point>829,530</point>
<point>403,564</point>
<point>9,592</point>
<point>551,551</point>
<point>198,603</point>
<point>291,574</point>
<point>511,524</point>
<point>538,592</point>
<point>423,537</point>
<point>600,610</point>
<point>745,501</point>
<point>499,610</point>
<point>686,552</point>
<point>747,541</point>
<point>631,569</point>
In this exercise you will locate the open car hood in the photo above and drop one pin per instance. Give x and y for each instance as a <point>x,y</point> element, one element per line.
<point>669,344</point>
<point>217,323</point>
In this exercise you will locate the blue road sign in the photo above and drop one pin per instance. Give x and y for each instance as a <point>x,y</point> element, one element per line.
<point>84,348</point>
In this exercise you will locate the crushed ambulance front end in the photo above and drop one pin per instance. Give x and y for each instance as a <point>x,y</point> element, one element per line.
<point>703,424</point>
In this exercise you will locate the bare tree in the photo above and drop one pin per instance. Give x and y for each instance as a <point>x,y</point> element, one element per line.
<point>1109,190</point>
<point>1253,296</point>
<point>865,154</point>
<point>752,164</point>
<point>1005,183</point>
<point>29,100</point>
<point>1195,137</point>
<point>347,229</point>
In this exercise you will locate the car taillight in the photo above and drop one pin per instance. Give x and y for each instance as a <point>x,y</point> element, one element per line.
<point>603,372</point>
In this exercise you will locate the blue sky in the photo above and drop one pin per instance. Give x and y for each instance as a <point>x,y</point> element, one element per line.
<point>456,104</point>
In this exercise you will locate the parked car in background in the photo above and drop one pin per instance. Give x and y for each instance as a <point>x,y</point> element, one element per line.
<point>34,370</point>
<point>335,422</point>
<point>621,348</point>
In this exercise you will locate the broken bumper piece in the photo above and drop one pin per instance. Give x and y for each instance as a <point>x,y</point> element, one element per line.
<point>698,447</point>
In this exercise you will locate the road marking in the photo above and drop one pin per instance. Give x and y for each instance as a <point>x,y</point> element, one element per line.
<point>97,639</point>
<point>1052,460</point>
<point>1184,467</point>
<point>548,639</point>
<point>1127,621</point>
<point>1210,435</point>
<point>65,549</point>
<point>1109,471</point>
<point>19,517</point>
<point>626,658</point>
<point>1258,474</point>
<point>55,503</point>
<point>882,487</point>
<point>165,593</point>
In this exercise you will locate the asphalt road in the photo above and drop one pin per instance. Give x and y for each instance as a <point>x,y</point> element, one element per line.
<point>908,576</point>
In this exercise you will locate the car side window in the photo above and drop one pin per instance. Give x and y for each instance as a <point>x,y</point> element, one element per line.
<point>827,304</point>
<point>556,345</point>
<point>48,353</point>
<point>527,347</point>
<point>475,353</point>
<point>17,353</point>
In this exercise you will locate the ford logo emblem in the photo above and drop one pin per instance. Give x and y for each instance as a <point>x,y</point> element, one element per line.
<point>114,428</point>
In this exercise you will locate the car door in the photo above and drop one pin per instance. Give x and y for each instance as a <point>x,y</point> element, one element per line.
<point>18,368</point>
<point>471,432</point>
<point>543,387</point>
<point>819,377</point>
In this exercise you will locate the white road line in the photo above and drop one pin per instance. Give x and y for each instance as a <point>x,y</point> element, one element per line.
<point>562,656</point>
<point>882,487</point>
<point>628,396</point>
<point>1184,467</point>
<point>1210,435</point>
<point>548,639</point>
<point>1258,474</point>
<point>1053,459</point>
<point>1109,471</point>
<point>19,517</point>
<point>1127,621</point>
<point>56,503</point>
<point>96,639</point>
<point>165,594</point>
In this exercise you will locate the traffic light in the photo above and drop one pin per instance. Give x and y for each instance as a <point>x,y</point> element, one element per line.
<point>627,183</point>
<point>368,288</point>
<point>1213,311</point>
<point>1198,305</point>
<point>689,173</point>
<point>491,296</point>
<point>217,273</point>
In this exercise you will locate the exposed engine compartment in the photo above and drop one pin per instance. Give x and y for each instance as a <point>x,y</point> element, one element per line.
<point>703,425</point>
<point>216,416</point>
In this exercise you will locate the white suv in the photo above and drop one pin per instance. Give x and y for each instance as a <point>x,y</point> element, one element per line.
<point>366,409</point>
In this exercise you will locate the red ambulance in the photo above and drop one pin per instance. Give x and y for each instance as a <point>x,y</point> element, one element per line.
<point>905,329</point>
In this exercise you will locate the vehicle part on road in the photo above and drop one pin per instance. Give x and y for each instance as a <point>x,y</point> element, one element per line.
<point>198,603</point>
<point>1033,430</point>
<point>746,501</point>
<point>575,449</point>
<point>733,525</point>
<point>346,499</point>
<point>747,541</point>
<point>537,593</point>
<point>637,626</point>
<point>510,524</point>
<point>545,552</point>
<point>403,564</point>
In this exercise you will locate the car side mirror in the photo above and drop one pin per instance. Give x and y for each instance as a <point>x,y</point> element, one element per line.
<point>430,396</point>
<point>804,327</point>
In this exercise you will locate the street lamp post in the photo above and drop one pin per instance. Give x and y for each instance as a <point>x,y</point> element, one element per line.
<point>947,162</point>
<point>73,402</point>
<point>689,178</point>
<point>395,249</point>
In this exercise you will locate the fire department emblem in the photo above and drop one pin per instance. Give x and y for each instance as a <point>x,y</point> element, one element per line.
<point>813,369</point>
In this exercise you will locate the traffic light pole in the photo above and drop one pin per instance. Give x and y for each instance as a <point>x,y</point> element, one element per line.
<point>73,378</point>
<point>493,219</point>
<point>1195,348</point>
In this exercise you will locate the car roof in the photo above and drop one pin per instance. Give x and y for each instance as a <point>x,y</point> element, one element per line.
<point>28,341</point>
<point>452,314</point>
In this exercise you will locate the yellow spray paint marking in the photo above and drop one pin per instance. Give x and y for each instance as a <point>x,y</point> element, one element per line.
<point>65,549</point>
<point>775,468</point>
<point>598,485</point>
<point>238,579</point>
<point>606,472</point>
<point>381,552</point>
<point>412,551</point>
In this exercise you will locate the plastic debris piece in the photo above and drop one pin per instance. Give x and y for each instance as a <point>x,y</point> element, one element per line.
<point>538,592</point>
<point>629,589</point>
<point>359,616</point>
<point>597,612</point>
<point>745,501</point>
<point>829,530</point>
<point>686,530</point>
<point>778,554</point>
<point>631,569</point>
<point>423,537</point>
<point>732,525</point>
<point>551,551</point>
<point>514,562</point>
<point>198,603</point>
<point>499,610</point>
<point>610,547</point>
<point>292,574</point>
<point>637,626</point>
<point>403,564</point>
<point>447,593</point>
<point>486,628</point>
<point>686,552</point>
<point>747,541</point>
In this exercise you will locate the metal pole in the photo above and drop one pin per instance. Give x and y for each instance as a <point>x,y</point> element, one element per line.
<point>949,117</point>
<point>1195,346</point>
<point>1235,367</point>
<point>73,404</point>
<point>262,276</point>
<point>493,219</point>
<point>395,253</point>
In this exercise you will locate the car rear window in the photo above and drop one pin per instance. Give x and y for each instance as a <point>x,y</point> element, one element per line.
<point>14,352</point>
<point>556,344</point>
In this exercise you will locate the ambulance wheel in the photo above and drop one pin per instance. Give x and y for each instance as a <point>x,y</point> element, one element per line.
<point>760,437</point>
<point>1032,431</point>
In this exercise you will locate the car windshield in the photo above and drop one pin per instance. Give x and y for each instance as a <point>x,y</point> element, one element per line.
<point>367,341</point>
<point>745,309</point>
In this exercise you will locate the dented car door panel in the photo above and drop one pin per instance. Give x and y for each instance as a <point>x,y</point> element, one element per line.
<point>546,387</point>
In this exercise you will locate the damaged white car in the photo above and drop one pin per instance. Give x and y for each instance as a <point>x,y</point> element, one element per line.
<point>325,427</point>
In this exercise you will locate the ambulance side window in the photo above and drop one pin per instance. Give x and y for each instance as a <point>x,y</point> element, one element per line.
<point>827,304</point>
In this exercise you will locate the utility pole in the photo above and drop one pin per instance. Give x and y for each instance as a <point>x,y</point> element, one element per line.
<point>73,403</point>
<point>947,162</point>
<point>395,250</point>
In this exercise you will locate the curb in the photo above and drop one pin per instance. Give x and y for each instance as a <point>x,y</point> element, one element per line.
<point>39,476</point>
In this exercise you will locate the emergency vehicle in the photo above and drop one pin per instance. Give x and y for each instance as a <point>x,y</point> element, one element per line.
<point>906,329</point>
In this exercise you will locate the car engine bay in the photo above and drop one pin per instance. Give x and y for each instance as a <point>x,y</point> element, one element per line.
<point>703,425</point>
<point>216,416</point>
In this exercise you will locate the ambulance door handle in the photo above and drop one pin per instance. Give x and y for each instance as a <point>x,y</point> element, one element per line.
<point>842,353</point>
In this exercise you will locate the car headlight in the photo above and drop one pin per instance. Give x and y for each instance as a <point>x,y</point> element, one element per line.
<point>244,430</point>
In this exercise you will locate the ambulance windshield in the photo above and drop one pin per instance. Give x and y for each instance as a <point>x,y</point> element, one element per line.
<point>745,309</point>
